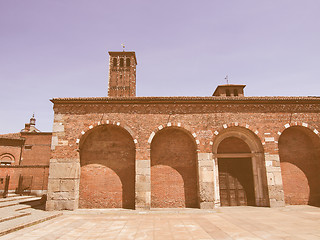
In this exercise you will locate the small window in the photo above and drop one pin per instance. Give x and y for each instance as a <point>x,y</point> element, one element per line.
<point>128,62</point>
<point>235,92</point>
<point>115,62</point>
<point>228,93</point>
<point>121,62</point>
<point>28,147</point>
<point>5,163</point>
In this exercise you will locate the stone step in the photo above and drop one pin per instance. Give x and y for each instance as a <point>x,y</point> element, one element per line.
<point>32,217</point>
<point>25,200</point>
<point>14,198</point>
<point>14,208</point>
<point>13,215</point>
<point>10,195</point>
<point>20,207</point>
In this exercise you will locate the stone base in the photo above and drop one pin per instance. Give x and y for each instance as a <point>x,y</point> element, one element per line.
<point>206,205</point>
<point>58,205</point>
<point>274,203</point>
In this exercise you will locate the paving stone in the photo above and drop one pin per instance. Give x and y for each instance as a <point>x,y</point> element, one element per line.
<point>227,223</point>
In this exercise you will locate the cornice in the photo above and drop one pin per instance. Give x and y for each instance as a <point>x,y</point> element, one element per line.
<point>187,100</point>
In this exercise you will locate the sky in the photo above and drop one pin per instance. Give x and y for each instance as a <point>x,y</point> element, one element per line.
<point>59,48</point>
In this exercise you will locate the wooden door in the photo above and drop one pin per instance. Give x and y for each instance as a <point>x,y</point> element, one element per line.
<point>236,182</point>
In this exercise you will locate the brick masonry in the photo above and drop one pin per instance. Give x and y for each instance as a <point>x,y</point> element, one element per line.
<point>31,154</point>
<point>261,121</point>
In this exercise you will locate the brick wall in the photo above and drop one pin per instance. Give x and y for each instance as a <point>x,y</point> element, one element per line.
<point>299,155</point>
<point>204,120</point>
<point>107,158</point>
<point>14,151</point>
<point>32,155</point>
<point>174,181</point>
<point>37,148</point>
<point>39,174</point>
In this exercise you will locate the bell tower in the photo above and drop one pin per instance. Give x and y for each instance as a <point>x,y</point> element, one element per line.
<point>122,74</point>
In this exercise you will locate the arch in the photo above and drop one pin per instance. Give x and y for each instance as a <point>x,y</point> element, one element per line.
<point>174,175</point>
<point>248,146</point>
<point>301,124</point>
<point>299,151</point>
<point>128,62</point>
<point>115,62</point>
<point>235,92</point>
<point>228,93</point>
<point>238,124</point>
<point>177,126</point>
<point>121,62</point>
<point>7,158</point>
<point>107,153</point>
<point>235,173</point>
<point>85,132</point>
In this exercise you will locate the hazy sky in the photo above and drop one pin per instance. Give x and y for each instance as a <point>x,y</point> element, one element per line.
<point>58,48</point>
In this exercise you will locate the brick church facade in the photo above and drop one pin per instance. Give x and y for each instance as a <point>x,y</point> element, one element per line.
<point>24,160</point>
<point>124,151</point>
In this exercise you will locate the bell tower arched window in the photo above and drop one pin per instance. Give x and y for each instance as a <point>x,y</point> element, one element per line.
<point>128,62</point>
<point>121,62</point>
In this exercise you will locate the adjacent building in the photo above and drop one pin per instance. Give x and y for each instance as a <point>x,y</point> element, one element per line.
<point>24,157</point>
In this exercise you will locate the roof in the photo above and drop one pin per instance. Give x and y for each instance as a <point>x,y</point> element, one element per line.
<point>231,85</point>
<point>224,86</point>
<point>10,135</point>
<point>36,133</point>
<point>213,100</point>
<point>11,139</point>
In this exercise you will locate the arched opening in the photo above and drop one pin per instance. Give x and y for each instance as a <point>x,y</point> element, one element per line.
<point>174,179</point>
<point>239,157</point>
<point>115,62</point>
<point>121,62</point>
<point>107,159</point>
<point>228,93</point>
<point>128,62</point>
<point>235,92</point>
<point>299,150</point>
<point>235,173</point>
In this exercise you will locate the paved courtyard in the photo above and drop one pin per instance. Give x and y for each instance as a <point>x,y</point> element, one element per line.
<point>293,222</point>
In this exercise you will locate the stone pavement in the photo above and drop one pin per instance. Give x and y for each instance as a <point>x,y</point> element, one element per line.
<point>291,223</point>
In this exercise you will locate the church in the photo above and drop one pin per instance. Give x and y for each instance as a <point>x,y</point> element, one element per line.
<point>227,149</point>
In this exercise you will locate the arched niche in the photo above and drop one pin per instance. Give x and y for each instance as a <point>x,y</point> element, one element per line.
<point>107,160</point>
<point>299,150</point>
<point>174,175</point>
<point>239,153</point>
